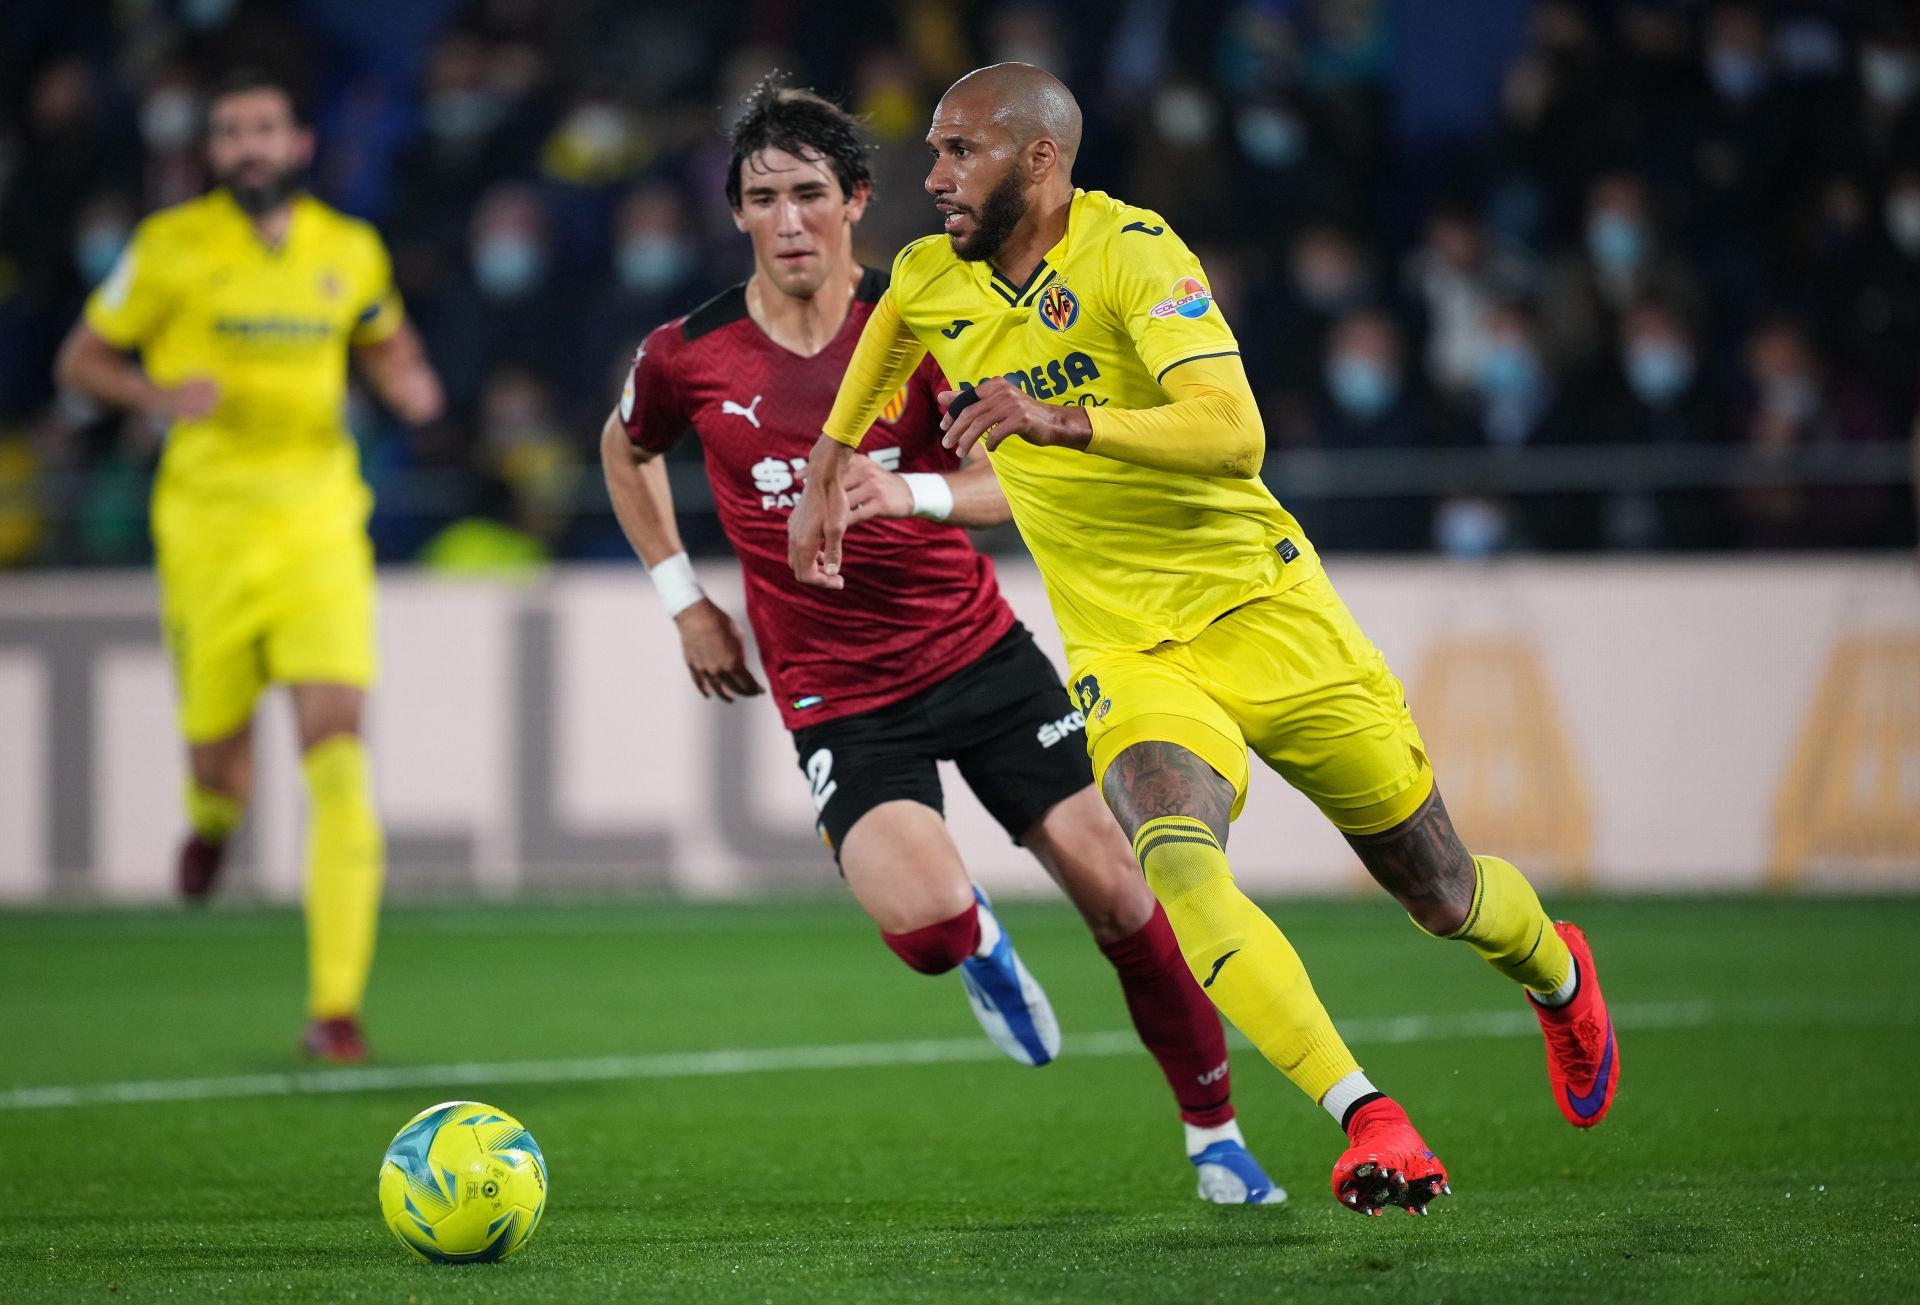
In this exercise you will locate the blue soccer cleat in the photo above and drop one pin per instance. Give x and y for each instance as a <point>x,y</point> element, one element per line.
<point>1229,1175</point>
<point>1010,1006</point>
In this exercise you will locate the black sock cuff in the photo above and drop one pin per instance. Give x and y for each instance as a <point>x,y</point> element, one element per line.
<point>1346,1120</point>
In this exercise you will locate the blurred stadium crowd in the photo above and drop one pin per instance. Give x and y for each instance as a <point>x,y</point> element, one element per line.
<point>1507,275</point>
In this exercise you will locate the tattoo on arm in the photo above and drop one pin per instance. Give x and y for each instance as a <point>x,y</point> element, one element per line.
<point>1155,779</point>
<point>1423,863</point>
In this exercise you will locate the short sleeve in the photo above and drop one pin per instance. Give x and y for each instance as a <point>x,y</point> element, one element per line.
<point>127,308</point>
<point>380,312</point>
<point>650,404</point>
<point>1162,297</point>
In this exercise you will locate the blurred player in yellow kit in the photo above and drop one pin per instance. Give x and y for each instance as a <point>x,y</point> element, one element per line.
<point>1092,364</point>
<point>242,306</point>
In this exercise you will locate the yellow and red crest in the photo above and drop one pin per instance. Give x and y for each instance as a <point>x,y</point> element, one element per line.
<point>1058,308</point>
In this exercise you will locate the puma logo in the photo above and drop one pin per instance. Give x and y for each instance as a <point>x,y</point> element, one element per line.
<point>1216,967</point>
<point>728,408</point>
<point>959,324</point>
<point>1143,228</point>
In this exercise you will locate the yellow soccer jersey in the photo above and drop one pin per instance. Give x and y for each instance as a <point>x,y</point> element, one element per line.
<point>199,294</point>
<point>1131,556</point>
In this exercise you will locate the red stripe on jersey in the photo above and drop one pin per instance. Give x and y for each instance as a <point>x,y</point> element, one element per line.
<point>919,604</point>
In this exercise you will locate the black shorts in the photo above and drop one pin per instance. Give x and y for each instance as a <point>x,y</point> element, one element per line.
<point>1006,721</point>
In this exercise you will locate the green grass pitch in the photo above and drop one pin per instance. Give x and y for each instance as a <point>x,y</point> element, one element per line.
<point>1757,1151</point>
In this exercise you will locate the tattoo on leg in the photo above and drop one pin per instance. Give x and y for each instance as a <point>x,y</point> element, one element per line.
<point>1154,779</point>
<point>1423,863</point>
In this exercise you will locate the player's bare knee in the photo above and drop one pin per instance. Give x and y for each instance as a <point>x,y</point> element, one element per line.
<point>1082,848</point>
<point>1120,903</point>
<point>224,767</point>
<point>322,711</point>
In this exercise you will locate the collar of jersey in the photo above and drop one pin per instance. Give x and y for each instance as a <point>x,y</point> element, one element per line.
<point>1045,272</point>
<point>231,212</point>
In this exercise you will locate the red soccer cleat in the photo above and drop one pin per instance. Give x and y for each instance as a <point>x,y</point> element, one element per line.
<point>1583,1057</point>
<point>1387,1164</point>
<point>199,868</point>
<point>335,1041</point>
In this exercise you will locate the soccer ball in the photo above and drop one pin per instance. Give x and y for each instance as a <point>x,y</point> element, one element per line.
<point>463,1182</point>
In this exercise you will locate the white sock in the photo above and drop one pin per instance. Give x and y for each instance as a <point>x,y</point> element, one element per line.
<point>1199,1139</point>
<point>1563,994</point>
<point>989,932</point>
<point>1343,1094</point>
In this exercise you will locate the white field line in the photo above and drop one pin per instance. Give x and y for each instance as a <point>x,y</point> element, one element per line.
<point>760,1060</point>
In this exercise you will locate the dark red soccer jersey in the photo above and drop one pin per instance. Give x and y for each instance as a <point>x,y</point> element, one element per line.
<point>919,603</point>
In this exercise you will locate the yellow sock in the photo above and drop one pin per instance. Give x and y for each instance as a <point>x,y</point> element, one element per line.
<point>345,865</point>
<point>1239,956</point>
<point>1508,926</point>
<point>213,816</point>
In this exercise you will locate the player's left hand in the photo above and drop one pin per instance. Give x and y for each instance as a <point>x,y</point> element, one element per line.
<point>416,396</point>
<point>874,492</point>
<point>1004,410</point>
<point>716,653</point>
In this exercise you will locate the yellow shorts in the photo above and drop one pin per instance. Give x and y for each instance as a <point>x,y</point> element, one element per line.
<point>285,607</point>
<point>1292,677</point>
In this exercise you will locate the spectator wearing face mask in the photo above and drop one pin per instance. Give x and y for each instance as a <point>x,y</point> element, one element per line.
<point>1746,144</point>
<point>656,271</point>
<point>480,123</point>
<point>1457,277</point>
<point>1622,256</point>
<point>507,306</point>
<point>1518,403</point>
<point>102,225</point>
<point>1326,275</point>
<point>1367,402</point>
<point>1797,399</point>
<point>1366,392</point>
<point>1660,396</point>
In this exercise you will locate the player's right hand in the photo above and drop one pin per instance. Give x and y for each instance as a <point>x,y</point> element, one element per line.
<point>819,520</point>
<point>716,652</point>
<point>190,400</point>
<point>873,491</point>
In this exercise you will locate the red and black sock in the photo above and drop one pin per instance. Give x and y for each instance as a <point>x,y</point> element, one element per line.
<point>939,947</point>
<point>1175,1020</point>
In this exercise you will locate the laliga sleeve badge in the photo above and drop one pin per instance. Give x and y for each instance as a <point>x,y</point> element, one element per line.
<point>626,397</point>
<point>1189,299</point>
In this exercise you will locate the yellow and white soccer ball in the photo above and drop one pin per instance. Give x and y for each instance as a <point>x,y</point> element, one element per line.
<point>463,1183</point>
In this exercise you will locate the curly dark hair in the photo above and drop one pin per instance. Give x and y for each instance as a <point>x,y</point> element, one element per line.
<point>782,117</point>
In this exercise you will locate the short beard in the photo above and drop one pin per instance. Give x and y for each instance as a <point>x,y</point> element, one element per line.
<point>257,201</point>
<point>999,214</point>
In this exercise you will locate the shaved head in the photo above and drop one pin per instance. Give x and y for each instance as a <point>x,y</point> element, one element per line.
<point>1003,140</point>
<point>1029,103</point>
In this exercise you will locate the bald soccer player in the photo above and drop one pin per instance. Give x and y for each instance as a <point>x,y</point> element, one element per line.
<point>923,662</point>
<point>1109,394</point>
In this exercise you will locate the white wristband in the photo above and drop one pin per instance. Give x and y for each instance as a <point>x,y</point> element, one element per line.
<point>932,496</point>
<point>673,580</point>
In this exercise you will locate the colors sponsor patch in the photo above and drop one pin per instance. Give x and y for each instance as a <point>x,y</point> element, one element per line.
<point>1189,299</point>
